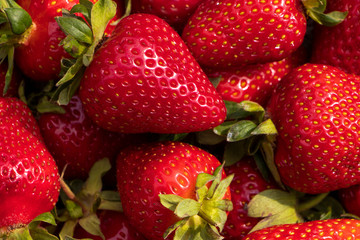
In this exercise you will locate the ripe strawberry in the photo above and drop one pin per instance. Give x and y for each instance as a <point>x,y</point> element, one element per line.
<point>29,179</point>
<point>236,32</point>
<point>350,198</point>
<point>38,54</point>
<point>73,139</point>
<point>144,79</point>
<point>325,229</point>
<point>148,170</point>
<point>247,183</point>
<point>114,225</point>
<point>338,45</point>
<point>315,110</point>
<point>176,13</point>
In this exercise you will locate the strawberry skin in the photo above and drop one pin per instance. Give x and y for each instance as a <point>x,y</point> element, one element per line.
<point>338,45</point>
<point>315,110</point>
<point>176,13</point>
<point>236,32</point>
<point>314,230</point>
<point>29,179</point>
<point>147,170</point>
<point>73,139</point>
<point>144,79</point>
<point>247,183</point>
<point>39,55</point>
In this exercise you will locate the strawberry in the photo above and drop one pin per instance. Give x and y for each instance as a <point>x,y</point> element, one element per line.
<point>325,229</point>
<point>176,13</point>
<point>350,199</point>
<point>73,139</point>
<point>148,170</point>
<point>315,110</point>
<point>114,225</point>
<point>29,179</point>
<point>237,32</point>
<point>144,79</point>
<point>247,183</point>
<point>338,45</point>
<point>38,53</point>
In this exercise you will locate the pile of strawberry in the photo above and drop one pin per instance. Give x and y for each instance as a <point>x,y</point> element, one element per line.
<point>188,119</point>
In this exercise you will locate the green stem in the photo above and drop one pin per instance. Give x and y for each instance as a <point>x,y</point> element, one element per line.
<point>312,202</point>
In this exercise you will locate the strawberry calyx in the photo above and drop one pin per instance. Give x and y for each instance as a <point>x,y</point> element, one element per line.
<point>34,230</point>
<point>315,9</point>
<point>205,216</point>
<point>84,34</point>
<point>83,199</point>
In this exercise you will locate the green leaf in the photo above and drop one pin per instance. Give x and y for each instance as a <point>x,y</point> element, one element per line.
<point>74,209</point>
<point>20,234</point>
<point>46,217</point>
<point>82,9</point>
<point>19,20</point>
<point>76,28</point>
<point>173,227</point>
<point>187,208</point>
<point>91,224</point>
<point>72,46</point>
<point>266,127</point>
<point>46,106</point>
<point>222,187</point>
<point>270,202</point>
<point>214,215</point>
<point>244,109</point>
<point>288,216</point>
<point>241,130</point>
<point>170,201</point>
<point>9,72</point>
<point>223,129</point>
<point>68,229</point>
<point>42,234</point>
<point>93,184</point>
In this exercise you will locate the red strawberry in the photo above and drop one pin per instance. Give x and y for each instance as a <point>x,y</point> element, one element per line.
<point>148,170</point>
<point>29,179</point>
<point>253,82</point>
<point>114,225</point>
<point>247,183</point>
<point>326,229</point>
<point>38,54</point>
<point>236,32</point>
<point>338,45</point>
<point>73,139</point>
<point>350,198</point>
<point>176,13</point>
<point>144,79</point>
<point>315,110</point>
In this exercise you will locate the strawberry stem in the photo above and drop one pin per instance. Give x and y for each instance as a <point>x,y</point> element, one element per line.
<point>70,194</point>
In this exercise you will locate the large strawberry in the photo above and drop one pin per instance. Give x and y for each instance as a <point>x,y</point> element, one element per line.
<point>326,229</point>
<point>144,79</point>
<point>165,168</point>
<point>247,183</point>
<point>338,45</point>
<point>315,110</point>
<point>236,32</point>
<point>29,179</point>
<point>74,140</point>
<point>176,13</point>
